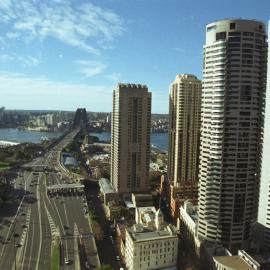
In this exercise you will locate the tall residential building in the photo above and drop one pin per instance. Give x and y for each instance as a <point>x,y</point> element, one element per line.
<point>232,115</point>
<point>130,139</point>
<point>184,139</point>
<point>264,205</point>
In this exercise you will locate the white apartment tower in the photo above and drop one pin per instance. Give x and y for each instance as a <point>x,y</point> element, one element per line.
<point>232,113</point>
<point>184,135</point>
<point>130,139</point>
<point>264,205</point>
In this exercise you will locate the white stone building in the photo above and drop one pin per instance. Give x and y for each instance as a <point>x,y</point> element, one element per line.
<point>150,243</point>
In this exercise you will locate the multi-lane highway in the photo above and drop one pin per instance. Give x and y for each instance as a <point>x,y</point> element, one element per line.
<point>28,233</point>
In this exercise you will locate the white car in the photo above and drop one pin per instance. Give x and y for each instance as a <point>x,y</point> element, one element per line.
<point>67,261</point>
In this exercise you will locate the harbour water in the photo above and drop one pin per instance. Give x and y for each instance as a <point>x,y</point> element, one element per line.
<point>158,140</point>
<point>16,135</point>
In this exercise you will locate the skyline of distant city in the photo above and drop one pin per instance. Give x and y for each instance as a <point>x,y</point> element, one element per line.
<point>59,55</point>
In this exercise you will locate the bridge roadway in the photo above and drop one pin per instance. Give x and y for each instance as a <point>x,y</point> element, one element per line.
<point>32,227</point>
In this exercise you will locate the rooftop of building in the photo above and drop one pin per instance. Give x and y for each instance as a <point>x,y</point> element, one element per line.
<point>106,186</point>
<point>191,209</point>
<point>233,262</point>
<point>186,78</point>
<point>150,225</point>
<point>146,210</point>
<point>132,85</point>
<point>237,20</point>
<point>141,234</point>
<point>129,204</point>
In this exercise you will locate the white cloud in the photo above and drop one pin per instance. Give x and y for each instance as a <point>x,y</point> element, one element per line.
<point>90,68</point>
<point>27,61</point>
<point>115,77</point>
<point>12,35</point>
<point>19,91</point>
<point>79,25</point>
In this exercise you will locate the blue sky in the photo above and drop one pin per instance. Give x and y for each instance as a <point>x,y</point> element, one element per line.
<point>64,54</point>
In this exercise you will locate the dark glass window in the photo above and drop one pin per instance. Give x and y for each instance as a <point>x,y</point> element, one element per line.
<point>220,36</point>
<point>232,26</point>
<point>233,39</point>
<point>234,34</point>
<point>245,93</point>
<point>248,34</point>
<point>247,45</point>
<point>233,45</point>
<point>135,121</point>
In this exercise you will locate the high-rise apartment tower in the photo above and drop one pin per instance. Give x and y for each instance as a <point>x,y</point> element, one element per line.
<point>184,139</point>
<point>233,96</point>
<point>130,139</point>
<point>264,205</point>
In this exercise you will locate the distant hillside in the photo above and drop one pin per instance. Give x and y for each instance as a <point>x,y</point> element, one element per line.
<point>91,115</point>
<point>103,115</point>
<point>159,116</point>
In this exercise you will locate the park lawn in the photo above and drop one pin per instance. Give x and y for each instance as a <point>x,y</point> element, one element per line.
<point>4,166</point>
<point>55,259</point>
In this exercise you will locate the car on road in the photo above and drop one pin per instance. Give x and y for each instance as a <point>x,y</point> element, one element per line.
<point>67,261</point>
<point>117,258</point>
<point>18,245</point>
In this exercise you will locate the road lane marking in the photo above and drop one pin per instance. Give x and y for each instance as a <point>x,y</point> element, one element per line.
<point>65,211</point>
<point>60,220</point>
<point>39,218</point>
<point>25,251</point>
